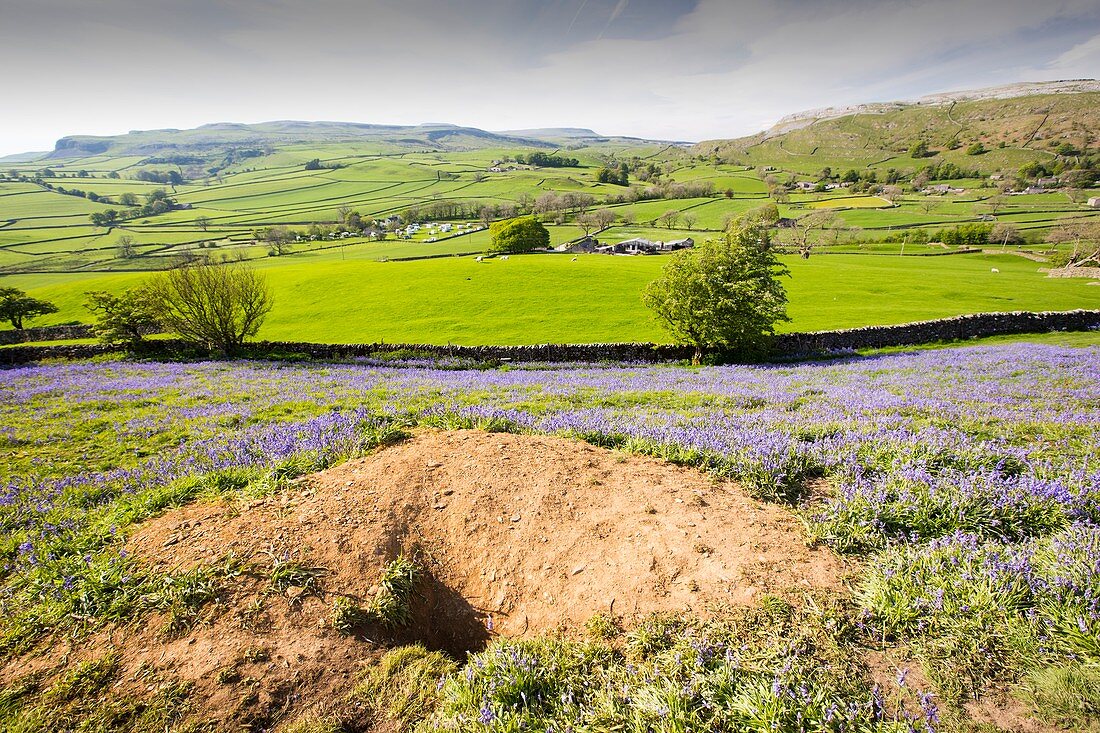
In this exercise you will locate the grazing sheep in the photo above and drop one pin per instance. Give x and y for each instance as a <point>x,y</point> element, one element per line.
<point>479,258</point>
<point>573,260</point>
<point>994,269</point>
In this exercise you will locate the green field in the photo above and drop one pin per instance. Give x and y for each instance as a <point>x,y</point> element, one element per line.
<point>853,202</point>
<point>347,296</point>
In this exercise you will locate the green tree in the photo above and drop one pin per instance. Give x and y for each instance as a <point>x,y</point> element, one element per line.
<point>919,149</point>
<point>106,218</point>
<point>218,306</point>
<point>518,235</point>
<point>123,319</point>
<point>16,307</point>
<point>724,294</point>
<point>975,149</point>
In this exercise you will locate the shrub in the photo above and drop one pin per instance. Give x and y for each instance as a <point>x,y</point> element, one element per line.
<point>216,305</point>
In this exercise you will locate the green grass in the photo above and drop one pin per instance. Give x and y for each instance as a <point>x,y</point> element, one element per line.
<point>852,202</point>
<point>534,299</point>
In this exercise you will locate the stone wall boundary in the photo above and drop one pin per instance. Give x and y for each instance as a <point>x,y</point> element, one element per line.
<point>787,345</point>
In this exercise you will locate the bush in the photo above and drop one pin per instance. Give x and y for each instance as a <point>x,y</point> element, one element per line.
<point>123,319</point>
<point>216,305</point>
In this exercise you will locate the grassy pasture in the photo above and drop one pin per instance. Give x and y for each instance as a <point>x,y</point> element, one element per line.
<point>345,295</point>
<point>853,202</point>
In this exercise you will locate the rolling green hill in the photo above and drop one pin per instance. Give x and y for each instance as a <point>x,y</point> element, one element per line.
<point>208,139</point>
<point>1030,127</point>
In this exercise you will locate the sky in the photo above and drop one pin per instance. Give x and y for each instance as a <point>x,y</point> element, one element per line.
<point>665,69</point>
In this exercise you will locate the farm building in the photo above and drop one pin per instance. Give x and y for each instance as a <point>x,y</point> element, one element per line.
<point>639,246</point>
<point>583,245</point>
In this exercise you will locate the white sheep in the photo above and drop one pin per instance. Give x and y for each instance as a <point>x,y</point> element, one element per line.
<point>994,269</point>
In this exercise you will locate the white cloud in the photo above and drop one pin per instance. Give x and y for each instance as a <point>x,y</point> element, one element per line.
<point>683,69</point>
<point>1081,60</point>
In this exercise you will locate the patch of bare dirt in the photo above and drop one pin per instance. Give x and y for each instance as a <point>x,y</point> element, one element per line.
<point>517,534</point>
<point>1004,712</point>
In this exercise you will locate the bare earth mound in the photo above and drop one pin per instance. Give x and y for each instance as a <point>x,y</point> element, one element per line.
<point>518,534</point>
<point>534,532</point>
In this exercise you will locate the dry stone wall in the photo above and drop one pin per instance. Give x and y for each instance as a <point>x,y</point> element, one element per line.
<point>787,345</point>
<point>46,333</point>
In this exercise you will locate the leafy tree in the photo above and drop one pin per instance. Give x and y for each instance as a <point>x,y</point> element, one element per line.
<point>547,161</point>
<point>1079,178</point>
<point>976,149</point>
<point>313,165</point>
<point>970,235</point>
<point>127,199</point>
<point>123,319</point>
<point>518,235</point>
<point>16,307</point>
<point>618,176</point>
<point>768,214</point>
<point>215,305</point>
<point>723,294</point>
<point>1034,170</point>
<point>202,222</point>
<point>919,149</point>
<point>106,218</point>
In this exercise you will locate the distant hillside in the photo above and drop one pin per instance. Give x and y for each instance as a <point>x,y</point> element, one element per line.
<point>216,138</point>
<point>1016,124</point>
<point>575,136</point>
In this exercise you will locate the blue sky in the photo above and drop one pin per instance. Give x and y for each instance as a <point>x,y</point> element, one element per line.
<point>669,69</point>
